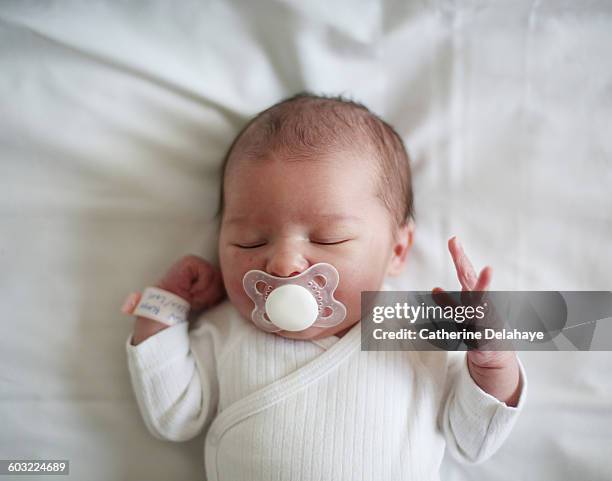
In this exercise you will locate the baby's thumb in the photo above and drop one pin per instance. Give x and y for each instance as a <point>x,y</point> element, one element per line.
<point>131,302</point>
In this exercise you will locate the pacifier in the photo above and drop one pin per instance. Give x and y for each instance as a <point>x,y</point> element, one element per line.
<point>295,303</point>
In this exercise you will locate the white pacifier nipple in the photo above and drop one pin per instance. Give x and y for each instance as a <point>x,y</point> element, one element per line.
<point>292,308</point>
<point>295,303</point>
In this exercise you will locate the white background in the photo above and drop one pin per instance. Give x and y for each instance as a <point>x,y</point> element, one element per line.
<point>114,117</point>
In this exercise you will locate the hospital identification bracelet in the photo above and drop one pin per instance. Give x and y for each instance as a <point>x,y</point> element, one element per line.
<point>162,306</point>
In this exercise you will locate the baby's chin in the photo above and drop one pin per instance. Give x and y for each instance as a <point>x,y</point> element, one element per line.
<point>307,334</point>
<point>313,333</point>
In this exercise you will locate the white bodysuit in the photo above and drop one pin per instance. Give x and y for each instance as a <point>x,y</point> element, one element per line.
<point>281,409</point>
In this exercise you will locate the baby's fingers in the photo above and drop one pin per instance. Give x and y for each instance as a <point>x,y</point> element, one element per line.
<point>463,266</point>
<point>441,298</point>
<point>204,274</point>
<point>208,290</point>
<point>484,279</point>
<point>182,276</point>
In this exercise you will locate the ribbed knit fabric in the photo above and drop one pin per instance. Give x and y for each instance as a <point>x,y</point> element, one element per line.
<point>280,409</point>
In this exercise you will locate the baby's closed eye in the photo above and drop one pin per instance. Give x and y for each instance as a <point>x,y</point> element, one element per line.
<point>328,241</point>
<point>247,245</point>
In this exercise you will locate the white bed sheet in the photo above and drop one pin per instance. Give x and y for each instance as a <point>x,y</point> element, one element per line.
<point>113,121</point>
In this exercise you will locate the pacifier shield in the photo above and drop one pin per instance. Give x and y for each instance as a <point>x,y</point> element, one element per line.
<point>295,303</point>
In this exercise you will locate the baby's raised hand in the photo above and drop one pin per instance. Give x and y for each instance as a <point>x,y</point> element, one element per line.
<point>496,372</point>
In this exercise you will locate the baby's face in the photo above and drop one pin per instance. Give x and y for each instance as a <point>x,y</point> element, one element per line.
<point>282,217</point>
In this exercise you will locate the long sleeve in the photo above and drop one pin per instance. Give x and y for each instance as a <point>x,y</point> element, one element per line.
<point>474,423</point>
<point>176,392</point>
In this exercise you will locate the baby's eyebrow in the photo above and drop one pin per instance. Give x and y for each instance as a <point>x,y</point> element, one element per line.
<point>237,219</point>
<point>327,218</point>
<point>333,218</point>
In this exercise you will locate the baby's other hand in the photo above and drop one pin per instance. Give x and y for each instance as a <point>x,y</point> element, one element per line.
<point>196,280</point>
<point>496,372</point>
<point>191,278</point>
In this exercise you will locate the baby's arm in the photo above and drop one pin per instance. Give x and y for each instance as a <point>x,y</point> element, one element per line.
<point>176,392</point>
<point>487,388</point>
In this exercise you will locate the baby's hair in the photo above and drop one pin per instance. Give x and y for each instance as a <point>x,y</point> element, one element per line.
<point>306,126</point>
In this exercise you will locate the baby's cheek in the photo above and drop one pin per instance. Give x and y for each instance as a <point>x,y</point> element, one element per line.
<point>352,302</point>
<point>237,296</point>
<point>354,280</point>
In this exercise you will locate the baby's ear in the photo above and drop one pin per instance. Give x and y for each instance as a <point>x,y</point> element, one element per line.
<point>401,246</point>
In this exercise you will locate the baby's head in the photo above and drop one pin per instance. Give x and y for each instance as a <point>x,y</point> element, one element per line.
<point>316,179</point>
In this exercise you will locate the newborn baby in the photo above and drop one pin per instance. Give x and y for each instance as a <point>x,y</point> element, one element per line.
<point>314,180</point>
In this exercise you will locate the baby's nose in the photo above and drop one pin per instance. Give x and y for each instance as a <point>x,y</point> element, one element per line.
<point>286,264</point>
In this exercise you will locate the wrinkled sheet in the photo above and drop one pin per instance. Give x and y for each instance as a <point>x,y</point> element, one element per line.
<point>113,121</point>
